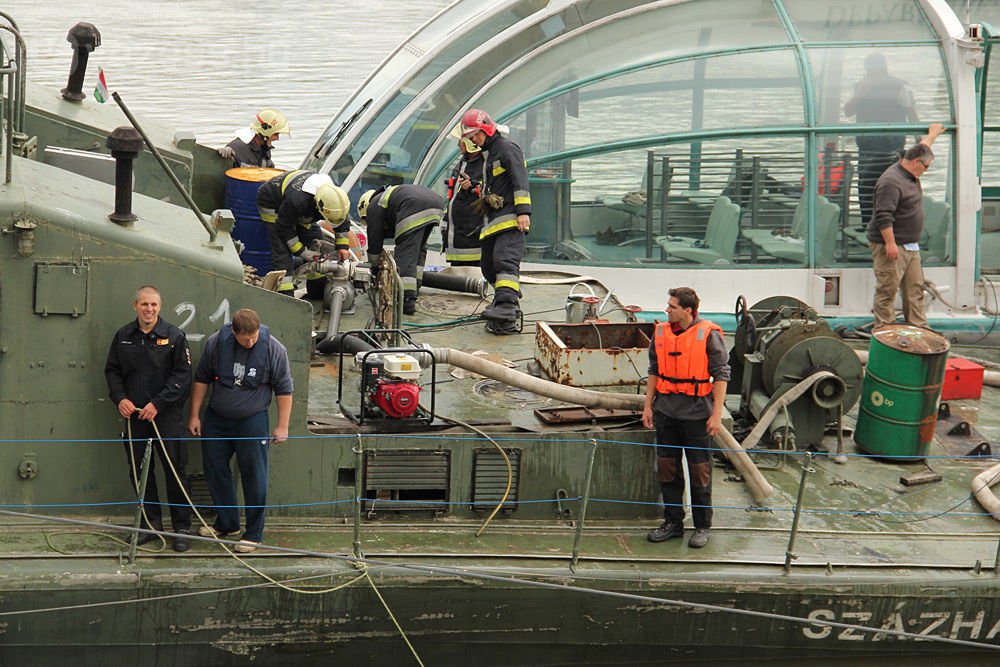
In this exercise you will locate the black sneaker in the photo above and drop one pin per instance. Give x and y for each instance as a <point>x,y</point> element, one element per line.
<point>665,531</point>
<point>699,539</point>
<point>181,542</point>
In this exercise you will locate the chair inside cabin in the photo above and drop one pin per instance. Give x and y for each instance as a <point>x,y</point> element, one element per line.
<point>793,248</point>
<point>934,241</point>
<point>719,244</point>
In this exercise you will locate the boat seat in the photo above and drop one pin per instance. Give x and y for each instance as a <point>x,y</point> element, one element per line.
<point>794,248</point>
<point>798,228</point>
<point>934,240</point>
<point>719,244</point>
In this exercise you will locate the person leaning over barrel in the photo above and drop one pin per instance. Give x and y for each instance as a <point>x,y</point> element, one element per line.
<point>291,205</point>
<point>252,145</point>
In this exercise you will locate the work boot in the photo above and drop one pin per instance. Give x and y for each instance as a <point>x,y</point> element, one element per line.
<point>505,311</point>
<point>181,542</point>
<point>699,539</point>
<point>497,328</point>
<point>409,305</point>
<point>665,531</point>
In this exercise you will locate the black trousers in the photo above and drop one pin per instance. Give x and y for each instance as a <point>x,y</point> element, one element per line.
<point>172,431</point>
<point>410,255</point>
<point>684,437</point>
<point>501,264</point>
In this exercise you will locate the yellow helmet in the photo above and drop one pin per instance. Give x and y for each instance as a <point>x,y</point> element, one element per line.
<point>270,122</point>
<point>332,203</point>
<point>363,204</point>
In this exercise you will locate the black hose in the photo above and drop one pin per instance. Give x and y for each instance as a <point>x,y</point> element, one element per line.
<point>351,345</point>
<point>455,283</point>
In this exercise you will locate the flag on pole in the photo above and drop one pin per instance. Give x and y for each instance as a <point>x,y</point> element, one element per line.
<point>101,91</point>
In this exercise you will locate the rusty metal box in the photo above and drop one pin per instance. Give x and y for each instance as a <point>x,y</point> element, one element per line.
<point>594,354</point>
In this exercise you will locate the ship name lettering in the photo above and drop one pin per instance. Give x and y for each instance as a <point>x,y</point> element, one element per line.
<point>940,617</point>
<point>963,625</point>
<point>850,634</point>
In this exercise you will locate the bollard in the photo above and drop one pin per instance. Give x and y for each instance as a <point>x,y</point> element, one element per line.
<point>84,38</point>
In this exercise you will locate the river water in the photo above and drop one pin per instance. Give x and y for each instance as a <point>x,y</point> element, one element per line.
<point>208,65</point>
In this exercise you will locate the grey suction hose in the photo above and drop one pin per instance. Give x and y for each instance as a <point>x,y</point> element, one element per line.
<point>759,487</point>
<point>456,283</point>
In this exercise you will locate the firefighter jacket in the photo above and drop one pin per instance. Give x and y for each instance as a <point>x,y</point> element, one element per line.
<point>461,236</point>
<point>149,367</point>
<point>283,202</point>
<point>250,153</point>
<point>506,175</point>
<point>682,359</point>
<point>400,210</point>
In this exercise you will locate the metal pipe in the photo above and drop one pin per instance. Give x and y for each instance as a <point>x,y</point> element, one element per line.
<point>21,63</point>
<point>358,467</point>
<point>9,130</point>
<point>133,542</point>
<point>212,233</point>
<point>583,506</point>
<point>125,144</point>
<point>336,305</point>
<point>84,38</point>
<point>790,551</point>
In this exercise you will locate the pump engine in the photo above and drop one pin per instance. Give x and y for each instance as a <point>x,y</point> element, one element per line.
<point>389,385</point>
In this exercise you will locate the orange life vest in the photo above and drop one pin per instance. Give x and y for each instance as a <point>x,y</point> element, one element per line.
<point>682,359</point>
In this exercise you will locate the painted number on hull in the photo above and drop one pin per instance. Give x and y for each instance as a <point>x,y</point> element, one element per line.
<point>221,314</point>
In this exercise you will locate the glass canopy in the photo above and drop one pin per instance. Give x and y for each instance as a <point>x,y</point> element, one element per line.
<point>719,134</point>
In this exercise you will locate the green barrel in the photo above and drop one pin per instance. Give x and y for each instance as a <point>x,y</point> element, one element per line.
<point>899,397</point>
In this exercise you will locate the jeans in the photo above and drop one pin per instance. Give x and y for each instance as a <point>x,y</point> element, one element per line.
<point>248,439</point>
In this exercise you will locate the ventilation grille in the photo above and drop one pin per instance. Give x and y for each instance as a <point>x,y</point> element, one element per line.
<point>489,479</point>
<point>406,481</point>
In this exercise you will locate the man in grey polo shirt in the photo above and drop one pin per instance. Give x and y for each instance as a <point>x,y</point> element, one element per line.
<point>894,232</point>
<point>244,364</point>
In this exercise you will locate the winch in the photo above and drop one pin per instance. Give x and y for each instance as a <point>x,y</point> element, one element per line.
<point>780,343</point>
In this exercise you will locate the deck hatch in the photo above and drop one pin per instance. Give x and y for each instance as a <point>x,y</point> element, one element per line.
<point>61,289</point>
<point>489,479</point>
<point>407,481</point>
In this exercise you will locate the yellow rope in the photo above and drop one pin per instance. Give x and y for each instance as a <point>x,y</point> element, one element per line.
<point>142,501</point>
<point>364,568</point>
<point>506,459</point>
<point>225,546</point>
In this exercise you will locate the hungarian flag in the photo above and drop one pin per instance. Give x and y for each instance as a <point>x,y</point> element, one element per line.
<point>101,91</point>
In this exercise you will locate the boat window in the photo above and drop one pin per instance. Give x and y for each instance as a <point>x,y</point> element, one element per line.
<point>843,20</point>
<point>456,19</point>
<point>609,49</point>
<point>885,84</point>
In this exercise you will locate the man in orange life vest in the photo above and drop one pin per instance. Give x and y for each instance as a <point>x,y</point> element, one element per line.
<point>688,373</point>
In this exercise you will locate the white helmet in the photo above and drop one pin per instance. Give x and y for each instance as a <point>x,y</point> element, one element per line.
<point>332,202</point>
<point>270,122</point>
<point>363,204</point>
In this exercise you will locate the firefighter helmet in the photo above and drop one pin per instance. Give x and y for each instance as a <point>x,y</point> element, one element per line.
<point>363,204</point>
<point>475,120</point>
<point>332,203</point>
<point>270,122</point>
